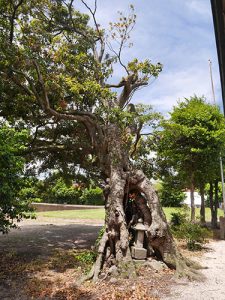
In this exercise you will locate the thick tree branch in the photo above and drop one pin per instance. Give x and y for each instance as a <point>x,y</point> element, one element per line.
<point>45,104</point>
<point>24,87</point>
<point>131,84</point>
<point>138,136</point>
<point>119,85</point>
<point>87,118</point>
<point>49,148</point>
<point>29,81</point>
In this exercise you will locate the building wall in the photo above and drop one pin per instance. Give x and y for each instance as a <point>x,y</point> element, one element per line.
<point>188,199</point>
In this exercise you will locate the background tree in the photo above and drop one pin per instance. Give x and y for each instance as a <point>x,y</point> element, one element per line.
<point>57,189</point>
<point>170,192</point>
<point>12,207</point>
<point>55,73</point>
<point>191,142</point>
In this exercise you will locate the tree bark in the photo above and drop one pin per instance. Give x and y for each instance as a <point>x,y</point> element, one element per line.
<point>212,206</point>
<point>215,205</point>
<point>192,190</point>
<point>202,210</point>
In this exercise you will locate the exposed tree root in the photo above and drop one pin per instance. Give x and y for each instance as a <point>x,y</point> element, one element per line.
<point>89,276</point>
<point>96,268</point>
<point>188,269</point>
<point>99,261</point>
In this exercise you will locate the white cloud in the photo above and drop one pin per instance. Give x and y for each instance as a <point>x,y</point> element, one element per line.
<point>179,34</point>
<point>177,85</point>
<point>200,7</point>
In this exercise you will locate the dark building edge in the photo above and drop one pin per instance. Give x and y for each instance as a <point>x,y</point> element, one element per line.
<point>219,28</point>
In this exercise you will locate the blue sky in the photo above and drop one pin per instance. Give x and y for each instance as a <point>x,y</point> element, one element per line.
<point>180,35</point>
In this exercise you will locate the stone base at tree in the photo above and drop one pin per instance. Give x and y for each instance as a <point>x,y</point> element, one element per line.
<point>138,253</point>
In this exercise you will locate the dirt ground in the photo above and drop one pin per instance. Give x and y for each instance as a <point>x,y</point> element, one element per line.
<point>37,262</point>
<point>213,285</point>
<point>35,243</point>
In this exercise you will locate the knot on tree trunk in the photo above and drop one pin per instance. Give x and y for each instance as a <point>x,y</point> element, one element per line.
<point>136,177</point>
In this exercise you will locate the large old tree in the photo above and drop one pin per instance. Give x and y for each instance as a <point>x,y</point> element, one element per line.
<point>56,73</point>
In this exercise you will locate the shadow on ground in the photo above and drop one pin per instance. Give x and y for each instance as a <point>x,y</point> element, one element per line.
<point>22,250</point>
<point>42,239</point>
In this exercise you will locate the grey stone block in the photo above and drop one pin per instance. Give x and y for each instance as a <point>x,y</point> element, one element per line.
<point>138,253</point>
<point>156,265</point>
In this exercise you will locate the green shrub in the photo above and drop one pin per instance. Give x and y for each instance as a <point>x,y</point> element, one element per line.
<point>66,259</point>
<point>178,218</point>
<point>87,257</point>
<point>192,233</point>
<point>93,196</point>
<point>30,194</point>
<point>60,193</point>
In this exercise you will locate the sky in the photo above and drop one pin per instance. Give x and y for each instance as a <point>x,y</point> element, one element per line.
<point>180,35</point>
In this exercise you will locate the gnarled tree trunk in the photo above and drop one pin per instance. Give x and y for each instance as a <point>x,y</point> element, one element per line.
<point>114,248</point>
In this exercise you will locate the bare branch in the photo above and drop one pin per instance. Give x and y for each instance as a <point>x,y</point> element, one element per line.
<point>93,12</point>
<point>99,56</point>
<point>121,33</point>
<point>118,55</point>
<point>33,89</point>
<point>36,131</point>
<point>12,19</point>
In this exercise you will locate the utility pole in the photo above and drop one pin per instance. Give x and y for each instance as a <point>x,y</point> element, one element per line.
<point>221,162</point>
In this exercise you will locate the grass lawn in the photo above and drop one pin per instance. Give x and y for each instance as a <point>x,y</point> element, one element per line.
<point>94,214</point>
<point>98,214</point>
<point>169,210</point>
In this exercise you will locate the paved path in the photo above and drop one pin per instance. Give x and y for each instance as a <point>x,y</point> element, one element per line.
<point>213,288</point>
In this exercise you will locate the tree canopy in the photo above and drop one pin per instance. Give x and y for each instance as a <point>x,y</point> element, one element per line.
<point>55,78</point>
<point>192,141</point>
